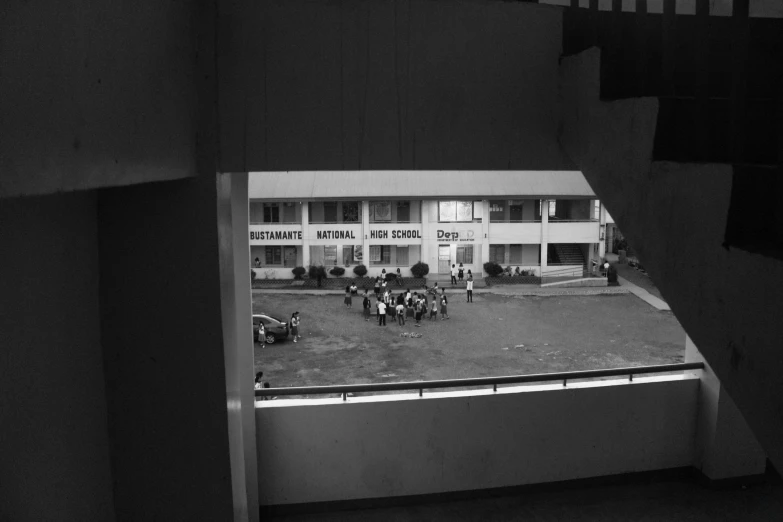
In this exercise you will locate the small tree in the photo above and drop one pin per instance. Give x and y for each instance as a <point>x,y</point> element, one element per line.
<point>252,275</point>
<point>299,272</point>
<point>493,269</point>
<point>317,272</point>
<point>337,271</point>
<point>420,269</point>
<point>360,270</point>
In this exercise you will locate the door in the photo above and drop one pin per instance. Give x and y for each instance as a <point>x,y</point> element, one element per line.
<point>444,259</point>
<point>289,256</point>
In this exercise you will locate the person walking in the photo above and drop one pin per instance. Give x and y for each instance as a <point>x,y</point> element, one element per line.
<point>347,299</point>
<point>470,288</point>
<point>295,326</point>
<point>460,272</point>
<point>366,306</point>
<point>391,310</point>
<point>381,313</point>
<point>453,274</point>
<point>418,312</point>
<point>444,312</point>
<point>400,313</point>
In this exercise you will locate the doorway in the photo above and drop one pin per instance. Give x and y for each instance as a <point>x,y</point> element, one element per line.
<point>444,259</point>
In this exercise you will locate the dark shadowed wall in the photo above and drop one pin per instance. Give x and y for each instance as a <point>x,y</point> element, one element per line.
<point>389,85</point>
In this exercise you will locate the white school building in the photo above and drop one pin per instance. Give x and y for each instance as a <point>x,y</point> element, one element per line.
<point>393,219</point>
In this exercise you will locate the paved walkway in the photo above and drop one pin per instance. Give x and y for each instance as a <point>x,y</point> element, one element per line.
<point>533,290</point>
<point>643,294</point>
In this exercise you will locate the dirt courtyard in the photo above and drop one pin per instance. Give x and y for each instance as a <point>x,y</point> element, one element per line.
<point>495,335</point>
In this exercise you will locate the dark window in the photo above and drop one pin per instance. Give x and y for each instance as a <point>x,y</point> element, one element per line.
<point>271,213</point>
<point>497,253</point>
<point>350,211</point>
<point>274,255</point>
<point>348,255</point>
<point>403,211</point>
<point>330,212</point>
<point>515,210</point>
<point>497,211</point>
<point>289,213</point>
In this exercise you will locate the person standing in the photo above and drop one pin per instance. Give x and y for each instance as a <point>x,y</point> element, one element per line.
<point>384,284</point>
<point>453,274</point>
<point>391,310</point>
<point>434,309</point>
<point>381,313</point>
<point>460,272</point>
<point>444,312</point>
<point>400,313</point>
<point>259,380</point>
<point>408,297</point>
<point>354,290</point>
<point>347,299</point>
<point>470,288</point>
<point>399,277</point>
<point>377,287</point>
<point>366,306</point>
<point>295,326</point>
<point>418,312</point>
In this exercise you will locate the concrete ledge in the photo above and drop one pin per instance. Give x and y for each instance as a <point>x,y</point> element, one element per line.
<point>587,281</point>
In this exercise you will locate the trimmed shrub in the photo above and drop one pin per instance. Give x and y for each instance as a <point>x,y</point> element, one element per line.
<point>337,271</point>
<point>316,271</point>
<point>492,269</point>
<point>390,277</point>
<point>360,270</point>
<point>298,272</point>
<point>420,269</point>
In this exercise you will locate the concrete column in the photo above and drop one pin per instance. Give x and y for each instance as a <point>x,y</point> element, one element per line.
<point>366,234</point>
<point>487,233</point>
<point>426,236</point>
<point>601,228</point>
<point>725,446</point>
<point>305,234</point>
<point>544,233</point>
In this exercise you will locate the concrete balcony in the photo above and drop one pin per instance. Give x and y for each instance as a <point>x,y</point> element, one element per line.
<point>567,231</point>
<point>526,232</point>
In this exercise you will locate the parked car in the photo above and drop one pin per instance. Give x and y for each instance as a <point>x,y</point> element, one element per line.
<point>274,329</point>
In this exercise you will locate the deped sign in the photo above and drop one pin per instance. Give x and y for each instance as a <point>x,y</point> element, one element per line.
<point>456,235</point>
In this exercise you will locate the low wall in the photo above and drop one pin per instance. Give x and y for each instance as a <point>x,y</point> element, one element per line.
<point>285,272</point>
<point>590,281</point>
<point>397,445</point>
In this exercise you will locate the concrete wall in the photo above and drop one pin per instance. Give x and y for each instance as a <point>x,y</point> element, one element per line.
<point>358,84</point>
<point>727,299</point>
<point>54,444</point>
<point>102,94</point>
<point>321,450</point>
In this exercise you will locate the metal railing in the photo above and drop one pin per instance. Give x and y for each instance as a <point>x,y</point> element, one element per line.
<point>501,220</point>
<point>345,389</point>
<point>275,222</point>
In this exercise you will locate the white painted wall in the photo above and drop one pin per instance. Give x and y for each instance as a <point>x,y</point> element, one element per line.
<point>394,445</point>
<point>570,232</point>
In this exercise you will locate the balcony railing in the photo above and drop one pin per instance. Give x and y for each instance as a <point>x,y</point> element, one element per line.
<point>276,223</point>
<point>515,220</point>
<point>345,389</point>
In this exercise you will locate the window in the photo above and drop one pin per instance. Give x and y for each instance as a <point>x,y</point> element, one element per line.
<point>289,213</point>
<point>380,254</point>
<point>552,208</point>
<point>515,211</point>
<point>380,211</point>
<point>348,258</point>
<point>273,255</point>
<point>289,256</point>
<point>330,255</point>
<point>402,255</point>
<point>497,253</point>
<point>330,212</point>
<point>497,211</point>
<point>403,212</point>
<point>465,255</point>
<point>351,211</point>
<point>515,254</point>
<point>455,211</point>
<point>271,212</point>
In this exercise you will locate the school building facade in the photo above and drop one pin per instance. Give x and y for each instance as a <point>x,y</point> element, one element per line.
<point>544,222</point>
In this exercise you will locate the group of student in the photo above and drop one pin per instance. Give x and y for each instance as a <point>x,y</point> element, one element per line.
<point>405,305</point>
